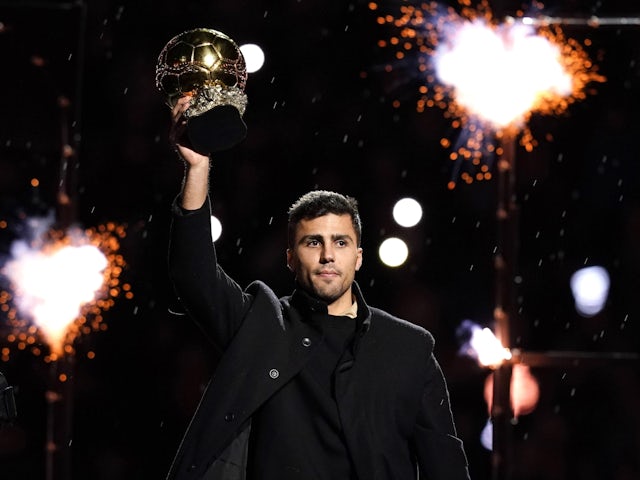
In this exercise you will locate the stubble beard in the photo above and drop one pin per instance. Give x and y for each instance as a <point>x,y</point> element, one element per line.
<point>326,291</point>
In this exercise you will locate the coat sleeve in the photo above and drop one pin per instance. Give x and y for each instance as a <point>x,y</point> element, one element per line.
<point>439,451</point>
<point>209,296</point>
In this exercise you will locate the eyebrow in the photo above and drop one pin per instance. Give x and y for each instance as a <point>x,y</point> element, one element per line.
<point>320,238</point>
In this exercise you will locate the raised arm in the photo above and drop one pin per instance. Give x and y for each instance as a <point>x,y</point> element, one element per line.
<point>195,187</point>
<point>214,300</point>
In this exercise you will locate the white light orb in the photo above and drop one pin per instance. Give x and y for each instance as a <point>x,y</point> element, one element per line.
<point>486,436</point>
<point>216,228</point>
<point>393,252</point>
<point>407,212</point>
<point>590,288</point>
<point>253,56</point>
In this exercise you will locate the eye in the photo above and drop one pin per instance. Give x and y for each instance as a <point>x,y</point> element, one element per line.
<point>313,243</point>
<point>341,243</point>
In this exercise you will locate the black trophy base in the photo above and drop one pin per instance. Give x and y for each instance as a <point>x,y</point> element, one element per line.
<point>217,129</point>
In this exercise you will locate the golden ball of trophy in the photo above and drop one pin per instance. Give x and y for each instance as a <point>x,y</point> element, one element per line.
<point>208,66</point>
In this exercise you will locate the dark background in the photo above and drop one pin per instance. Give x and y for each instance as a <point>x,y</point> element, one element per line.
<point>320,114</point>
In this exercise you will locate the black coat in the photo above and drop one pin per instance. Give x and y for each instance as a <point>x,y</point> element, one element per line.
<point>392,398</point>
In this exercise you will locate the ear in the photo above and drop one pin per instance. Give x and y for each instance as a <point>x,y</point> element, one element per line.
<point>290,260</point>
<point>359,259</point>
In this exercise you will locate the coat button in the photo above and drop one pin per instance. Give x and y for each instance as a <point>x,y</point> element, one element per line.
<point>229,417</point>
<point>273,373</point>
<point>306,341</point>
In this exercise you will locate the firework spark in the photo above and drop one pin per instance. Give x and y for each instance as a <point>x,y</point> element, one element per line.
<point>488,77</point>
<point>482,345</point>
<point>60,283</point>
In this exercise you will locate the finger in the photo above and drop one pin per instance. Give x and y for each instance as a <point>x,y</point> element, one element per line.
<point>180,107</point>
<point>176,112</point>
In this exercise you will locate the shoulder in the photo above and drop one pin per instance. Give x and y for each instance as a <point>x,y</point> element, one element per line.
<point>399,330</point>
<point>263,293</point>
<point>264,303</point>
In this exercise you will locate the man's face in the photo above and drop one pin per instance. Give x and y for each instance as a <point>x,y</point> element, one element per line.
<point>325,257</point>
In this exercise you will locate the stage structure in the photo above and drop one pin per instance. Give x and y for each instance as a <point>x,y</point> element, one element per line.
<point>452,50</point>
<point>505,267</point>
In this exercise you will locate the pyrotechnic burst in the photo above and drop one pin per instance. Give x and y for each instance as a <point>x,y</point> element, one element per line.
<point>481,344</point>
<point>60,283</point>
<point>488,77</point>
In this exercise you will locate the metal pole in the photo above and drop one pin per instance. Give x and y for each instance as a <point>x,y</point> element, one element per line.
<point>70,135</point>
<point>505,260</point>
<point>555,358</point>
<point>59,397</point>
<point>592,21</point>
<point>66,196</point>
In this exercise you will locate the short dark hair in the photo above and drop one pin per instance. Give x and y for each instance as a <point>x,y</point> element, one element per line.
<point>317,203</point>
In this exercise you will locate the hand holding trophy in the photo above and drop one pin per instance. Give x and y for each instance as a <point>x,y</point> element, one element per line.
<point>209,67</point>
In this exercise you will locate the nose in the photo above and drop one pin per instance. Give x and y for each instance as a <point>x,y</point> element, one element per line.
<point>327,255</point>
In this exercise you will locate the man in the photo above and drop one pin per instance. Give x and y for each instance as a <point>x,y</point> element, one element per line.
<point>315,385</point>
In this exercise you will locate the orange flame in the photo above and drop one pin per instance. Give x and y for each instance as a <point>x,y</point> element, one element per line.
<point>524,390</point>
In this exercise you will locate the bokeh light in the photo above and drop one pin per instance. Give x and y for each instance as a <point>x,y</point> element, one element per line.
<point>393,252</point>
<point>253,56</point>
<point>407,212</point>
<point>590,288</point>
<point>216,228</point>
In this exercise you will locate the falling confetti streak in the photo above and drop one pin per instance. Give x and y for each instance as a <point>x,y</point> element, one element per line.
<point>488,77</point>
<point>60,284</point>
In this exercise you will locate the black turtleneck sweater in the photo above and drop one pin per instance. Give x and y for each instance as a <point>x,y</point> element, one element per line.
<point>297,433</point>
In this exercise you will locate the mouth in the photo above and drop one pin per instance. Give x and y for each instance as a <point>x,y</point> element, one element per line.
<point>327,273</point>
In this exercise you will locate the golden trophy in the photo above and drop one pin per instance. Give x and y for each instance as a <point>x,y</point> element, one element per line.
<point>208,66</point>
